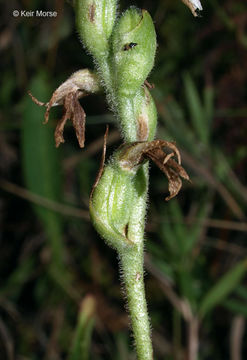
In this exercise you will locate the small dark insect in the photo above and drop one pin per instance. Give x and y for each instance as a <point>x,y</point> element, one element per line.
<point>129,46</point>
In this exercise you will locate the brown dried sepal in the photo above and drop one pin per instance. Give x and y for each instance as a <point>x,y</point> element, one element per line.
<point>148,85</point>
<point>134,154</point>
<point>72,110</point>
<point>78,85</point>
<point>194,6</point>
<point>173,170</point>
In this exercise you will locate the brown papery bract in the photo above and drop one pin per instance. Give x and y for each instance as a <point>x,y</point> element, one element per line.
<point>134,154</point>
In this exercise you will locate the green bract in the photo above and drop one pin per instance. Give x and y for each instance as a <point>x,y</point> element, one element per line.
<point>111,203</point>
<point>146,114</point>
<point>133,50</point>
<point>95,20</point>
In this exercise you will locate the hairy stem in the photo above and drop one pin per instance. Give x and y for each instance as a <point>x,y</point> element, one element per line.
<point>122,106</point>
<point>105,75</point>
<point>126,114</point>
<point>119,198</point>
<point>132,270</point>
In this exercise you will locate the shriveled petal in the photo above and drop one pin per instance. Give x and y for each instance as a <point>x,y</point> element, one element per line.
<point>58,135</point>
<point>74,112</point>
<point>78,121</point>
<point>79,84</point>
<point>174,182</point>
<point>194,5</point>
<point>174,172</point>
<point>134,154</point>
<point>171,169</point>
<point>178,168</point>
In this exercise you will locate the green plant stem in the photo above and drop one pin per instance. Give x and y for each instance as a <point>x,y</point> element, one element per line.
<point>126,114</point>
<point>122,106</point>
<point>105,74</point>
<point>119,200</point>
<point>131,260</point>
<point>132,271</point>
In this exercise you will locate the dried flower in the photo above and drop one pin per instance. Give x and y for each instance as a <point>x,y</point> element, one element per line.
<point>134,154</point>
<point>80,84</point>
<point>194,5</point>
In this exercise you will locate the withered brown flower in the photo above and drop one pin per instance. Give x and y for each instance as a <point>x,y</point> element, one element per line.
<point>80,84</point>
<point>195,6</point>
<point>136,153</point>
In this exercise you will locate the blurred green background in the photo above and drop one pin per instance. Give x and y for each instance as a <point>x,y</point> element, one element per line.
<point>60,290</point>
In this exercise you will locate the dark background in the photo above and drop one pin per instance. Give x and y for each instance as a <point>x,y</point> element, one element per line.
<point>53,264</point>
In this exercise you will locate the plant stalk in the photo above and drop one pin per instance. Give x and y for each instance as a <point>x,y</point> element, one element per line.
<point>126,114</point>
<point>131,262</point>
<point>132,270</point>
<point>193,342</point>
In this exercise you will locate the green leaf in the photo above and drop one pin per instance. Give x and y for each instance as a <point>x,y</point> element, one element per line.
<point>169,239</point>
<point>174,120</point>
<point>223,288</point>
<point>194,231</point>
<point>242,292</point>
<point>186,282</point>
<point>196,109</point>
<point>41,164</point>
<point>208,95</point>
<point>84,329</point>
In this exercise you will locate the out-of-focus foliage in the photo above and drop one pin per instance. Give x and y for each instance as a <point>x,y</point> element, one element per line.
<point>51,259</point>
